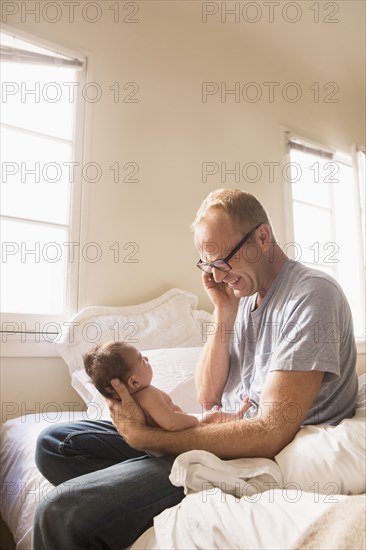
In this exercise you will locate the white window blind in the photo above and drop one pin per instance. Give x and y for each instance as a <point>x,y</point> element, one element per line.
<point>328,217</point>
<point>40,195</point>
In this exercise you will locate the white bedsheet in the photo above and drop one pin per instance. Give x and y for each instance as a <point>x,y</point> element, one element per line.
<point>22,485</point>
<point>272,520</point>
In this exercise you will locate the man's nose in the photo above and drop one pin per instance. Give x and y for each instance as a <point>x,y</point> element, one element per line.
<point>218,275</point>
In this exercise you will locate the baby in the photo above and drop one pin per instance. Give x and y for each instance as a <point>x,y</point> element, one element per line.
<point>120,360</point>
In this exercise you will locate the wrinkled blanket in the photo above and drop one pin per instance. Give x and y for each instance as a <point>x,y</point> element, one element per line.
<point>198,470</point>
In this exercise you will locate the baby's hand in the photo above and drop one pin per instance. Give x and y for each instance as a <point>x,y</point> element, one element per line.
<point>217,415</point>
<point>245,406</point>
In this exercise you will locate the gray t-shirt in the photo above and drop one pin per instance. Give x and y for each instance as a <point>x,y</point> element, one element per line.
<point>304,323</point>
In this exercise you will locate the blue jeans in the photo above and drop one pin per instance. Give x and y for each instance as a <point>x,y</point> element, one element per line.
<point>106,493</point>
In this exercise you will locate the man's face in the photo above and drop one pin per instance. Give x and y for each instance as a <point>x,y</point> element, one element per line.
<point>214,240</point>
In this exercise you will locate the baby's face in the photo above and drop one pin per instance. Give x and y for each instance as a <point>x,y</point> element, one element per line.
<point>140,366</point>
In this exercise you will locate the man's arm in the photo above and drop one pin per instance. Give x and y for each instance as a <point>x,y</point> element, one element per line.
<point>213,368</point>
<point>285,401</point>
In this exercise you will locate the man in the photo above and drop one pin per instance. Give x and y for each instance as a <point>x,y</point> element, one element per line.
<point>282,352</point>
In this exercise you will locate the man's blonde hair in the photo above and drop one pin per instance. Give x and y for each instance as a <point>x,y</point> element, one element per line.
<point>243,209</point>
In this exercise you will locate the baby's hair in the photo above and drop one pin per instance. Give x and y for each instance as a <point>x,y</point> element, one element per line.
<point>105,362</point>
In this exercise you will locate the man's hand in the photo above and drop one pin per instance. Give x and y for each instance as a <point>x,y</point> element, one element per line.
<point>126,414</point>
<point>221,295</point>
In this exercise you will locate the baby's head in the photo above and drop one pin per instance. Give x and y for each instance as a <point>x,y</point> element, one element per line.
<point>117,360</point>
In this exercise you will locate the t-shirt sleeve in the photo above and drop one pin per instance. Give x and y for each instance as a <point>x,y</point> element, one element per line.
<point>309,336</point>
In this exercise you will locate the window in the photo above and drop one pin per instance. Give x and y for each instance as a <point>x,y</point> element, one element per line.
<point>40,191</point>
<point>327,218</point>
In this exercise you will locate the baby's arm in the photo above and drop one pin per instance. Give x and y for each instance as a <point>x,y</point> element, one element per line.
<point>163,411</point>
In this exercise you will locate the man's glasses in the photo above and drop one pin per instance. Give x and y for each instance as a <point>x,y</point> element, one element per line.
<point>223,264</point>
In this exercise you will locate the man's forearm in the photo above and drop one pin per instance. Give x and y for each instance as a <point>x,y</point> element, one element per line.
<point>245,438</point>
<point>213,368</point>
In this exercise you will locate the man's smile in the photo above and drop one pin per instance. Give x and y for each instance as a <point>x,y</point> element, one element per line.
<point>233,282</point>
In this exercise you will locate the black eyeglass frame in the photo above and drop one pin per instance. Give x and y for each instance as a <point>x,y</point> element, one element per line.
<point>202,265</point>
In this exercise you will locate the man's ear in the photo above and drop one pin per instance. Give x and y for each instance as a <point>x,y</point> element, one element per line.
<point>133,383</point>
<point>265,235</point>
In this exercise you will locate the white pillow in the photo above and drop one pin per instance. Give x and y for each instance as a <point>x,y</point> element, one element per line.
<point>173,372</point>
<point>328,459</point>
<point>169,321</point>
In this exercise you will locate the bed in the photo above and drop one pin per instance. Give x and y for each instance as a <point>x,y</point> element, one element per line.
<point>311,496</point>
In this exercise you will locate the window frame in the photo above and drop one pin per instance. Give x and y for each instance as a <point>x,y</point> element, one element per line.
<point>338,156</point>
<point>33,342</point>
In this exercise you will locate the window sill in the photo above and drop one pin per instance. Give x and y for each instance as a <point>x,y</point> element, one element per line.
<point>25,335</point>
<point>14,347</point>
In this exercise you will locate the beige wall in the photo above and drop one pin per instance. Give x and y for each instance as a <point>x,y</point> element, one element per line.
<point>38,385</point>
<point>170,132</point>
